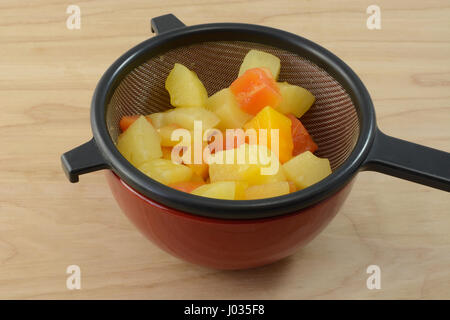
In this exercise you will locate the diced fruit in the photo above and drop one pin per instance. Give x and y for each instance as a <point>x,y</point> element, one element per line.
<point>220,190</point>
<point>306,169</point>
<point>251,168</point>
<point>256,89</point>
<point>241,186</point>
<point>127,121</point>
<point>185,88</point>
<point>225,105</point>
<point>159,119</point>
<point>186,186</point>
<point>165,133</point>
<point>185,117</point>
<point>200,169</point>
<point>295,99</point>
<point>269,119</point>
<point>301,138</point>
<point>261,59</point>
<point>166,171</point>
<point>267,190</point>
<point>166,153</point>
<point>140,142</point>
<point>292,186</point>
<point>197,178</point>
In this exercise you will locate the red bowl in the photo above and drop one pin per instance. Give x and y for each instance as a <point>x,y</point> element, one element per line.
<point>224,243</point>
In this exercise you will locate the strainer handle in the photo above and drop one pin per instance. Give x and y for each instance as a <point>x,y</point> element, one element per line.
<point>83,159</point>
<point>165,23</point>
<point>409,161</point>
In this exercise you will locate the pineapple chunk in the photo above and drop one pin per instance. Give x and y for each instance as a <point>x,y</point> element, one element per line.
<point>251,173</point>
<point>220,190</point>
<point>185,117</point>
<point>165,132</point>
<point>140,142</point>
<point>166,171</point>
<point>267,190</point>
<point>185,88</point>
<point>159,119</point>
<point>295,99</point>
<point>224,104</point>
<point>261,59</point>
<point>306,169</point>
<point>200,170</point>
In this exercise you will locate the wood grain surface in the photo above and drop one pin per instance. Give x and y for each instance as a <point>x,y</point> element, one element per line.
<point>48,74</point>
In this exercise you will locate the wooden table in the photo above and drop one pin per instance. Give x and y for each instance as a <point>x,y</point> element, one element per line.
<point>48,74</point>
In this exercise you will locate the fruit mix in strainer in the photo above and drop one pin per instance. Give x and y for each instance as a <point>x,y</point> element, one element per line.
<point>244,142</point>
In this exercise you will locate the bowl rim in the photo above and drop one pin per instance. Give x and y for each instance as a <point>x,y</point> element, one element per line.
<point>233,209</point>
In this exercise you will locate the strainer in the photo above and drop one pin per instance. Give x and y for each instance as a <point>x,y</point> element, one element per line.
<point>342,120</point>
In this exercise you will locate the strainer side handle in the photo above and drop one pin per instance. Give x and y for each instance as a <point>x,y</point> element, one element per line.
<point>165,23</point>
<point>409,161</point>
<point>83,159</point>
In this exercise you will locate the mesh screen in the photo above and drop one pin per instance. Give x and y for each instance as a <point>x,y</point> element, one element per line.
<point>332,120</point>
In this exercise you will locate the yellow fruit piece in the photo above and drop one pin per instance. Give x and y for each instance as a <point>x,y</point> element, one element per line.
<point>224,104</point>
<point>165,171</point>
<point>166,153</point>
<point>220,190</point>
<point>197,178</point>
<point>185,88</point>
<point>140,142</point>
<point>185,117</point>
<point>165,132</point>
<point>251,168</point>
<point>201,170</point>
<point>159,119</point>
<point>267,190</point>
<point>268,118</point>
<point>261,59</point>
<point>306,169</point>
<point>295,99</point>
<point>241,186</point>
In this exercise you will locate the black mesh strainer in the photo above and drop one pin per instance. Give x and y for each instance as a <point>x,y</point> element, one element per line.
<point>342,120</point>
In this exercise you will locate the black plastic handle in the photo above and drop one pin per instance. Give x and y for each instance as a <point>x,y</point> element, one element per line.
<point>409,161</point>
<point>165,23</point>
<point>83,159</point>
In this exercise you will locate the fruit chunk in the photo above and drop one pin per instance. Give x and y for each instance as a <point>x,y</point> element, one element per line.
<point>200,170</point>
<point>268,119</point>
<point>166,171</point>
<point>292,187</point>
<point>295,99</point>
<point>261,59</point>
<point>256,89</point>
<point>185,88</point>
<point>301,138</point>
<point>224,104</point>
<point>186,186</point>
<point>267,190</point>
<point>185,117</point>
<point>127,121</point>
<point>306,169</point>
<point>140,142</point>
<point>166,153</point>
<point>165,132</point>
<point>220,190</point>
<point>159,119</point>
<point>251,168</point>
